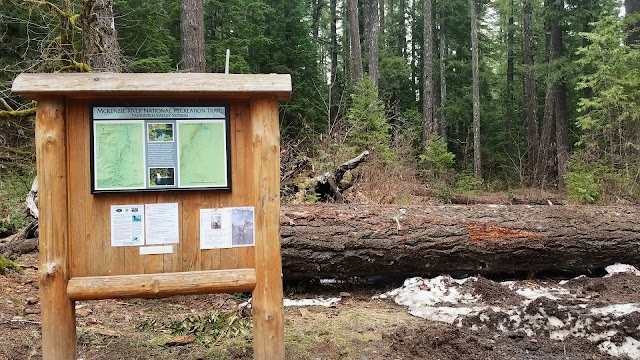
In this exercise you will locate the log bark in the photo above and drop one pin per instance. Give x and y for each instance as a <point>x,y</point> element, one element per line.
<point>22,242</point>
<point>338,241</point>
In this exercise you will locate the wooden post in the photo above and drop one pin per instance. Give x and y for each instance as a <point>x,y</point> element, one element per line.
<point>58,312</point>
<point>267,311</point>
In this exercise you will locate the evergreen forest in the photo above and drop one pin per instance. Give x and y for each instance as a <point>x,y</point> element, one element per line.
<point>455,96</point>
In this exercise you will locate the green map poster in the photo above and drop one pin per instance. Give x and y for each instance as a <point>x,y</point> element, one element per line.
<point>202,154</point>
<point>119,155</point>
<point>142,148</point>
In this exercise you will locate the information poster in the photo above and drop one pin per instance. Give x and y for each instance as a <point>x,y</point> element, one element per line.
<point>147,148</point>
<point>162,224</point>
<point>127,225</point>
<point>215,228</point>
<point>227,227</point>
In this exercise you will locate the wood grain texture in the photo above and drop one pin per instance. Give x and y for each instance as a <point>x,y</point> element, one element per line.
<point>58,311</point>
<point>161,285</point>
<point>267,311</point>
<point>100,84</point>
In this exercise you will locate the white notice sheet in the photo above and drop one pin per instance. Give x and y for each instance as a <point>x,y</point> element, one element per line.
<point>127,225</point>
<point>215,228</point>
<point>162,224</point>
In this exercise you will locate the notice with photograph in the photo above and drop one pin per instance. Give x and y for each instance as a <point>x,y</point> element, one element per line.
<point>215,228</point>
<point>127,225</point>
<point>227,227</point>
<point>243,228</point>
<point>162,224</point>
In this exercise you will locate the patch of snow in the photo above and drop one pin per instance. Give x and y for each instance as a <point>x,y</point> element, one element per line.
<point>621,268</point>
<point>630,347</point>
<point>417,292</point>
<point>555,322</point>
<point>328,281</point>
<point>444,299</point>
<point>533,291</point>
<point>423,296</point>
<point>300,302</point>
<point>445,314</point>
<point>617,309</point>
<point>312,302</point>
<point>558,334</point>
<point>564,282</point>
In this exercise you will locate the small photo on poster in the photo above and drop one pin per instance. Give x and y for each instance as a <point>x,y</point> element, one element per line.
<point>162,176</point>
<point>216,221</point>
<point>243,228</point>
<point>160,132</point>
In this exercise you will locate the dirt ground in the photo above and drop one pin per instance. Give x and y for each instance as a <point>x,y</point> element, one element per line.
<point>359,326</point>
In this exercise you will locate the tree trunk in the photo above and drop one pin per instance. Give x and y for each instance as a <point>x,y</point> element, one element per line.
<point>333,109</point>
<point>354,37</point>
<point>555,106</point>
<point>632,8</point>
<point>315,18</point>
<point>414,48</point>
<point>338,241</point>
<point>427,75</point>
<point>545,163</point>
<point>192,36</point>
<point>442,49</point>
<point>562,133</point>
<point>530,89</point>
<point>67,54</point>
<point>381,10</point>
<point>402,35</point>
<point>560,104</point>
<point>374,32</point>
<point>477,159</point>
<point>509,113</point>
<point>100,48</point>
<point>437,119</point>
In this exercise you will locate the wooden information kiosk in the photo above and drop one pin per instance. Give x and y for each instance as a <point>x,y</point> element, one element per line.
<point>141,177</point>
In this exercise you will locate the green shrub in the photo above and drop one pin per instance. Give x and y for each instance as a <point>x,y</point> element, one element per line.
<point>437,157</point>
<point>6,265</point>
<point>582,187</point>
<point>467,183</point>
<point>444,193</point>
<point>368,128</point>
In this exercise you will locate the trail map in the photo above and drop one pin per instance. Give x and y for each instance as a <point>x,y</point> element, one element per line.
<point>202,153</point>
<point>137,148</point>
<point>119,155</point>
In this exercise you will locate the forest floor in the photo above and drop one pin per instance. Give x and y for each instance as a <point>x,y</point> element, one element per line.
<point>439,318</point>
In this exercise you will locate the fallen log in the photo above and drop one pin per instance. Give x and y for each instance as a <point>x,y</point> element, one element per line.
<point>344,241</point>
<point>340,241</point>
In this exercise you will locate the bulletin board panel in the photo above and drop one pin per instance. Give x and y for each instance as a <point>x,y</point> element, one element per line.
<point>90,250</point>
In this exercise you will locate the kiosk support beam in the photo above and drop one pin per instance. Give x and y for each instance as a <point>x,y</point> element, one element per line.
<point>58,311</point>
<point>267,311</point>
